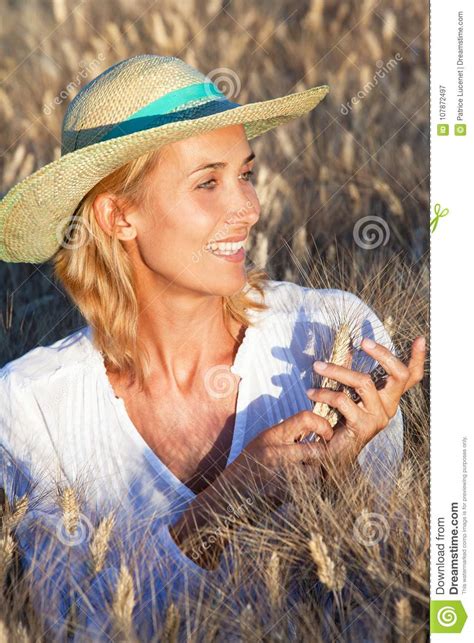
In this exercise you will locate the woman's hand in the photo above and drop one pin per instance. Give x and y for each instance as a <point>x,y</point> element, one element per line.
<point>364,420</point>
<point>267,455</point>
<point>251,477</point>
<point>255,472</point>
<point>261,460</point>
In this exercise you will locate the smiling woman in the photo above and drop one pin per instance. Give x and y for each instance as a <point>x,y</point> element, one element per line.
<point>157,225</point>
<point>189,382</point>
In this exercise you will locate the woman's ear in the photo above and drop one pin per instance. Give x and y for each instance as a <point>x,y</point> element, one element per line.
<point>111,212</point>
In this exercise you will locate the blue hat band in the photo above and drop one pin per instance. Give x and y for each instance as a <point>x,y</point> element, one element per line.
<point>159,112</point>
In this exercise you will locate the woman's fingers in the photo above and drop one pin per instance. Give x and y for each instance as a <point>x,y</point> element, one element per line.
<point>297,426</point>
<point>401,376</point>
<point>362,383</point>
<point>416,365</point>
<point>302,452</point>
<point>372,404</point>
<point>366,423</point>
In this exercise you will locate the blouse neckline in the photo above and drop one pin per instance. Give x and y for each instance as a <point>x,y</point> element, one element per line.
<point>163,471</point>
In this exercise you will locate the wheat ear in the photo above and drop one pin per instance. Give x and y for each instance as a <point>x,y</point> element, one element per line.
<point>403,615</point>
<point>10,516</point>
<point>4,632</point>
<point>341,356</point>
<point>70,506</point>
<point>124,600</point>
<point>332,575</point>
<point>273,579</point>
<point>20,508</point>
<point>7,546</point>
<point>99,545</point>
<point>171,624</point>
<point>247,623</point>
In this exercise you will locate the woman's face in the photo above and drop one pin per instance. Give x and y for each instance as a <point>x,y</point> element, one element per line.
<point>190,205</point>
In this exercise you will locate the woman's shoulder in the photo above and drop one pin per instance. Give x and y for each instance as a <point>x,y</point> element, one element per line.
<point>289,297</point>
<point>43,361</point>
<point>321,308</point>
<point>33,418</point>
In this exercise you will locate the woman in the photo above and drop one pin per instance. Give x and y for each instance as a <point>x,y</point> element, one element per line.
<point>190,378</point>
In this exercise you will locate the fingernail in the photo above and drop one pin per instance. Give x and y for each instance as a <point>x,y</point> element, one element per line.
<point>320,366</point>
<point>422,343</point>
<point>310,391</point>
<point>368,343</point>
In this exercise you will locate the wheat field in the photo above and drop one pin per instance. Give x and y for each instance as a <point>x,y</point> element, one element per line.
<point>317,179</point>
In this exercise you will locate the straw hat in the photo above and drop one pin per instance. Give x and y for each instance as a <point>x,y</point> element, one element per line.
<point>137,105</point>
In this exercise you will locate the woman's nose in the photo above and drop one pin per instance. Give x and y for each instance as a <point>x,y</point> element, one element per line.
<point>248,214</point>
<point>256,215</point>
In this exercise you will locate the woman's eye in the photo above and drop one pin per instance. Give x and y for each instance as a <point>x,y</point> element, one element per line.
<point>249,173</point>
<point>206,185</point>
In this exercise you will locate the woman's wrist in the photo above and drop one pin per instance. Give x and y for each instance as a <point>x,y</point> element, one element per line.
<point>203,551</point>
<point>202,530</point>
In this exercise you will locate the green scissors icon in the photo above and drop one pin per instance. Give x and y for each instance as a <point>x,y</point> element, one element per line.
<point>438,215</point>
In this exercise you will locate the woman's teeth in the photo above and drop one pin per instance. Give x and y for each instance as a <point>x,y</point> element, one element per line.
<point>225,248</point>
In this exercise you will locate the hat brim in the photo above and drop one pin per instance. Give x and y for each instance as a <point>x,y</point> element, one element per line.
<point>35,212</point>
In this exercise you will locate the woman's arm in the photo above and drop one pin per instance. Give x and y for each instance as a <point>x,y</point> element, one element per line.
<point>201,531</point>
<point>344,444</point>
<point>253,481</point>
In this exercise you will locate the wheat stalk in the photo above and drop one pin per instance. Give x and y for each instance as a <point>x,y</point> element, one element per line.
<point>341,356</point>
<point>124,600</point>
<point>16,513</point>
<point>330,574</point>
<point>70,506</point>
<point>4,635</point>
<point>403,615</point>
<point>273,579</point>
<point>99,545</point>
<point>171,624</point>
<point>7,547</point>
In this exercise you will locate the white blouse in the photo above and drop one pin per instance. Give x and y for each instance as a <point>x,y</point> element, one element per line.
<point>61,423</point>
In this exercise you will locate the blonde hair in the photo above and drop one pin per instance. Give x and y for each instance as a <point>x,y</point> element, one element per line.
<point>97,274</point>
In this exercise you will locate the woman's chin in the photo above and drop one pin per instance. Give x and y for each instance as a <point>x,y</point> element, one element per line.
<point>229,282</point>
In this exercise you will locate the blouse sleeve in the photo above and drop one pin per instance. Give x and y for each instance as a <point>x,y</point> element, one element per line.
<point>380,458</point>
<point>56,562</point>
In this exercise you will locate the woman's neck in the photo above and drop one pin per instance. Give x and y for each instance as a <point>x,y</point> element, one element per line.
<point>185,336</point>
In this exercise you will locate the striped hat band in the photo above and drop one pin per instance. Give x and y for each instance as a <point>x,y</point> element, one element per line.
<point>169,108</point>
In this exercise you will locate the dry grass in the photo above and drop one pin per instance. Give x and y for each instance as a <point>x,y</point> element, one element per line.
<point>317,177</point>
<point>337,558</point>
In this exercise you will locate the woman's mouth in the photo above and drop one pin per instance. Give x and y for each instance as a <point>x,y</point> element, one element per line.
<point>230,250</point>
